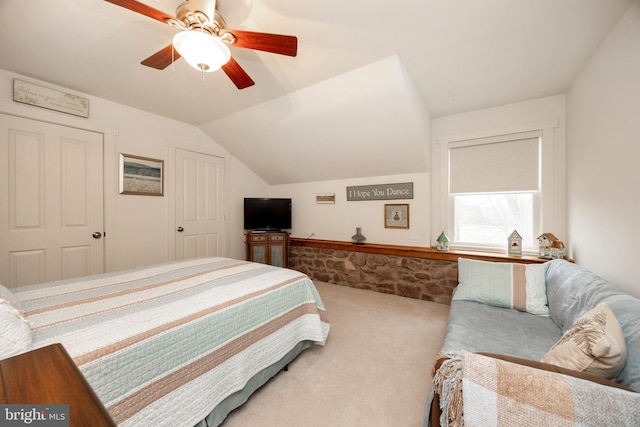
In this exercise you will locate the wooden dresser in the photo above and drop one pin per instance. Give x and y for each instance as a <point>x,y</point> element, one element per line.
<point>48,376</point>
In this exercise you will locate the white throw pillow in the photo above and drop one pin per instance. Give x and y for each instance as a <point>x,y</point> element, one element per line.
<point>594,343</point>
<point>7,295</point>
<point>502,284</point>
<point>15,333</point>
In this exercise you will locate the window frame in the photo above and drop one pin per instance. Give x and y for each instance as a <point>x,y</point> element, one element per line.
<point>545,215</point>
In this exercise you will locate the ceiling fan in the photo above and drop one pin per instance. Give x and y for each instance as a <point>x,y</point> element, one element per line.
<point>204,38</point>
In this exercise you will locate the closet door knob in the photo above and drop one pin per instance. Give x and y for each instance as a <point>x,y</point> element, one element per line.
<point>97,235</point>
<point>180,229</point>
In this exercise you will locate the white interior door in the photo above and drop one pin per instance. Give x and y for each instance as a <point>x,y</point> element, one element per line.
<point>199,205</point>
<point>51,202</point>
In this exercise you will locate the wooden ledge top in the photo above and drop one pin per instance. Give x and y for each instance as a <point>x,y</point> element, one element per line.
<point>414,251</point>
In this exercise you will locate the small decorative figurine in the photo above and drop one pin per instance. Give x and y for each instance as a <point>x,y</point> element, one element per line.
<point>358,238</point>
<point>515,244</point>
<point>557,250</point>
<point>550,247</point>
<point>443,242</point>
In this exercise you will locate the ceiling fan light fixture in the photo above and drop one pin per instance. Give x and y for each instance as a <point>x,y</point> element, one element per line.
<point>203,51</point>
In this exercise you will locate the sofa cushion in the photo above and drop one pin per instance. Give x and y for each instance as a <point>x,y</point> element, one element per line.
<point>572,290</point>
<point>503,284</point>
<point>594,344</point>
<point>627,309</point>
<point>477,327</point>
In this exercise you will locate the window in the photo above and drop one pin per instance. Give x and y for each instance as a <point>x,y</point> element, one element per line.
<point>487,219</point>
<point>494,186</point>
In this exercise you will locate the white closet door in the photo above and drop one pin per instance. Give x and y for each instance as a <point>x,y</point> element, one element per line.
<point>199,203</point>
<point>51,202</point>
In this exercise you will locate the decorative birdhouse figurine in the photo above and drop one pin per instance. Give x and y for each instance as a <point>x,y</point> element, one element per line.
<point>443,242</point>
<point>557,250</point>
<point>515,244</point>
<point>550,247</point>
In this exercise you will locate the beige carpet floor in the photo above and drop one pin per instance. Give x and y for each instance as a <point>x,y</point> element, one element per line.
<point>375,369</point>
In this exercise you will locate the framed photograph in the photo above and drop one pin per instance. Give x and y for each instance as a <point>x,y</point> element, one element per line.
<point>141,175</point>
<point>396,216</point>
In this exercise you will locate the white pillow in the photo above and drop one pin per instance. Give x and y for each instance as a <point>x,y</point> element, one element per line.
<point>15,333</point>
<point>503,284</point>
<point>594,343</point>
<point>6,294</point>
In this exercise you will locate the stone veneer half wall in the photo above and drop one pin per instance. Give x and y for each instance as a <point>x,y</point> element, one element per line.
<point>421,273</point>
<point>426,279</point>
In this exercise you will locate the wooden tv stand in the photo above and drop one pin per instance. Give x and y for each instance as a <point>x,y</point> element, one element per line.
<point>268,248</point>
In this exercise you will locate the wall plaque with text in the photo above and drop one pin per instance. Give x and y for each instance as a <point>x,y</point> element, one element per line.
<point>52,99</point>
<point>403,190</point>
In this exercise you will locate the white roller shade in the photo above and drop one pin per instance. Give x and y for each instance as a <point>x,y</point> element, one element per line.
<point>500,164</point>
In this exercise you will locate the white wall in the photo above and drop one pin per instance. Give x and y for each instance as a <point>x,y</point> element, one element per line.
<point>499,120</point>
<point>140,229</point>
<point>603,157</point>
<point>245,184</point>
<point>339,221</point>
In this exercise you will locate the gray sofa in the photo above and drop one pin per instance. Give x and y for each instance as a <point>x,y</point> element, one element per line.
<point>571,292</point>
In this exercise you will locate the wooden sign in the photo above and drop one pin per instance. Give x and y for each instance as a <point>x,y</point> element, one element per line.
<point>396,191</point>
<point>326,198</point>
<point>52,99</point>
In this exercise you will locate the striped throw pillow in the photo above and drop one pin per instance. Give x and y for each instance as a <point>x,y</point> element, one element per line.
<point>502,284</point>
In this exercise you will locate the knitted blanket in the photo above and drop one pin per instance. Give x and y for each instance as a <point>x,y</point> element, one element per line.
<point>477,390</point>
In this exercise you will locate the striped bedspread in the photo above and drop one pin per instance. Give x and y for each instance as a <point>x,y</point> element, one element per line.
<point>164,345</point>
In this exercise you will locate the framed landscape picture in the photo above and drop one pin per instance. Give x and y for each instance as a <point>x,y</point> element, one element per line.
<point>141,175</point>
<point>396,216</point>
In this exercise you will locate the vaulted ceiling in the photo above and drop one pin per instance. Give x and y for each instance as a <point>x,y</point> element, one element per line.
<point>356,100</point>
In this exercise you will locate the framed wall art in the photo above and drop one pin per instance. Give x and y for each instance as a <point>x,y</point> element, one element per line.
<point>396,216</point>
<point>325,198</point>
<point>141,175</point>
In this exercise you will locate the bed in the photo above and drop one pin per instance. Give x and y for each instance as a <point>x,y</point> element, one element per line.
<point>177,344</point>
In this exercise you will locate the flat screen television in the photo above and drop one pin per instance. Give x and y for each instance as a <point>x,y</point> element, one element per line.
<point>267,214</point>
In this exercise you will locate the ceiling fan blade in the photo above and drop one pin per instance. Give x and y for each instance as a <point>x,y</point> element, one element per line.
<point>273,43</point>
<point>236,73</point>
<point>162,58</point>
<point>143,9</point>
